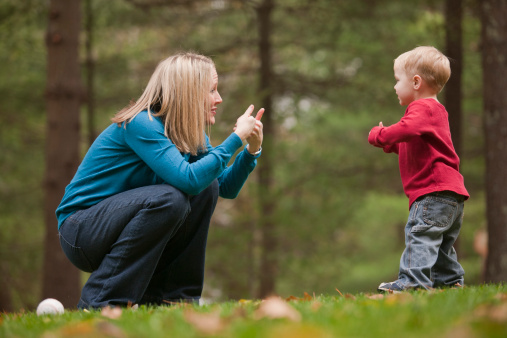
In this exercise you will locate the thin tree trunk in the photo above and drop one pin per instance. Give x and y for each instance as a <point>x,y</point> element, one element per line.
<point>63,96</point>
<point>268,260</point>
<point>5,290</point>
<point>453,97</point>
<point>454,50</point>
<point>90,73</point>
<point>494,64</point>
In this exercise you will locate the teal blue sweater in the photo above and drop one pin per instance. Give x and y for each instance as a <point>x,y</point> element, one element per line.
<point>139,155</point>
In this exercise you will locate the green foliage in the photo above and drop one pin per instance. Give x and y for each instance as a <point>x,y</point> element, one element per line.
<point>475,311</point>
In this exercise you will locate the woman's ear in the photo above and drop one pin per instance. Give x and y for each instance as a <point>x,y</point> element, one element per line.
<point>417,82</point>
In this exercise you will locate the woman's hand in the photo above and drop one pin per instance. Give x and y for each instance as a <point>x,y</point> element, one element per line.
<point>245,124</point>
<point>255,138</point>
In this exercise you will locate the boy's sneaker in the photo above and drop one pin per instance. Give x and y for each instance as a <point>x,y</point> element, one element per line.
<point>392,287</point>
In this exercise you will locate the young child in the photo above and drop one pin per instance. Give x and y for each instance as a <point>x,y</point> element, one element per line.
<point>429,169</point>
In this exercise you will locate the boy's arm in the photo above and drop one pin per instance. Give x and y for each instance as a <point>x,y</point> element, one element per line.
<point>413,123</point>
<point>372,138</point>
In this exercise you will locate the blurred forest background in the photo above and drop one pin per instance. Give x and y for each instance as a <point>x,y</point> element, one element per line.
<point>335,205</point>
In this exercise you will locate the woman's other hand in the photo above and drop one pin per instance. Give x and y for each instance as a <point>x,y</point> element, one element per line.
<point>255,138</point>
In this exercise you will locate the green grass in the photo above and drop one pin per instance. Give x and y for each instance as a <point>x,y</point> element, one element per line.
<point>477,311</point>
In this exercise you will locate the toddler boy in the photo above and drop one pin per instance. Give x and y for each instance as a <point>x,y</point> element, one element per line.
<point>429,168</point>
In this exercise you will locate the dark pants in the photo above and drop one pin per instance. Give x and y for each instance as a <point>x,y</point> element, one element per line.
<point>142,246</point>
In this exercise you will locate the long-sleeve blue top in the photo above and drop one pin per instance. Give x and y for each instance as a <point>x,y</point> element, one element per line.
<point>139,154</point>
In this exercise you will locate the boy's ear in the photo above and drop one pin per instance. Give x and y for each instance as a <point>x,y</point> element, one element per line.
<point>417,81</point>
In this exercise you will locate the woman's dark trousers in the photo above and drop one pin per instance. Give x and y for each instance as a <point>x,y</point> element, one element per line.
<point>142,246</point>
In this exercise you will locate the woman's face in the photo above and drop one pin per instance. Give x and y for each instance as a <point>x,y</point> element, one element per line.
<point>215,98</point>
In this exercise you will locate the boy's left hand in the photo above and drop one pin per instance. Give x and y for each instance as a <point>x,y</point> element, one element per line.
<point>380,125</point>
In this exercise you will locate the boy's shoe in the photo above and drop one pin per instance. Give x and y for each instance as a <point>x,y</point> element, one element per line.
<point>392,287</point>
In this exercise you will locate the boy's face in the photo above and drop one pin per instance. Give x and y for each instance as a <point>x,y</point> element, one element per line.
<point>404,87</point>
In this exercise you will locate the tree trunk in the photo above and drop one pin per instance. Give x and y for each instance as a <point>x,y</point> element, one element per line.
<point>494,64</point>
<point>5,290</point>
<point>90,73</point>
<point>63,96</point>
<point>268,260</point>
<point>454,50</point>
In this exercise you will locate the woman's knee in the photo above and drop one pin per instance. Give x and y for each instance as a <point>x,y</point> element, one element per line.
<point>169,200</point>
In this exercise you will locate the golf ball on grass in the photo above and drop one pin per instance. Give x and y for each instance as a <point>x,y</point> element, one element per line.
<point>50,306</point>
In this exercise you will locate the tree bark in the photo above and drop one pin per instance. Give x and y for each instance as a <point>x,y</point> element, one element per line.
<point>494,64</point>
<point>454,50</point>
<point>452,91</point>
<point>268,259</point>
<point>90,73</point>
<point>63,97</point>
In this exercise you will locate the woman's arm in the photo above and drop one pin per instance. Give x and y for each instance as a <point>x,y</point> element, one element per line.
<point>146,138</point>
<point>234,177</point>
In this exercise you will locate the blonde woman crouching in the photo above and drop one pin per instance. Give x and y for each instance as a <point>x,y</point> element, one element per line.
<point>137,212</point>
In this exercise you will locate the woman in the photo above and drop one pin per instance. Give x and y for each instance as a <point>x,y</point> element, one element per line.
<point>137,212</point>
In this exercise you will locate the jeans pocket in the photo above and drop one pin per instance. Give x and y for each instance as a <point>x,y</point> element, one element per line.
<point>439,211</point>
<point>75,255</point>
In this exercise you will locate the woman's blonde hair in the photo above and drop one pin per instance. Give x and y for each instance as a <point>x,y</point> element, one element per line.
<point>427,62</point>
<point>178,92</point>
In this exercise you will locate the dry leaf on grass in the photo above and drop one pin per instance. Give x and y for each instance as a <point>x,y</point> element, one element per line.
<point>110,330</point>
<point>111,312</point>
<point>79,329</point>
<point>305,298</point>
<point>495,313</point>
<point>209,323</point>
<point>398,298</point>
<point>501,297</point>
<point>274,308</point>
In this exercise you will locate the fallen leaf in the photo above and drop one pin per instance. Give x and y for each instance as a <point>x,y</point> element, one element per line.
<point>288,299</point>
<point>501,297</point>
<point>496,313</point>
<point>298,331</point>
<point>208,323</point>
<point>398,298</point>
<point>111,312</point>
<point>274,308</point>
<point>110,330</point>
<point>305,298</point>
<point>350,296</point>
<point>377,296</point>
<point>316,305</point>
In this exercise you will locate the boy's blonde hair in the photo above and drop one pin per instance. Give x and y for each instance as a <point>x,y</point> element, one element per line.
<point>178,92</point>
<point>427,62</point>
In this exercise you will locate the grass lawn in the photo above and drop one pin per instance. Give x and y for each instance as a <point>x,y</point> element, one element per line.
<point>475,311</point>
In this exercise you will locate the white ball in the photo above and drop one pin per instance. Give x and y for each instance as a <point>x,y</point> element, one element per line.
<point>50,306</point>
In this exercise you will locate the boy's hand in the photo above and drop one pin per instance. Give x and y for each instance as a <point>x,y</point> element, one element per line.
<point>380,125</point>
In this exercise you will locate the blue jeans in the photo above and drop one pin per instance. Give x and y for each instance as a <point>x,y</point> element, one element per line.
<point>142,246</point>
<point>429,259</point>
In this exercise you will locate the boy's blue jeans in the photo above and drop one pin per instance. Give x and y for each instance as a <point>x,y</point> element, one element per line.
<point>142,246</point>
<point>429,259</point>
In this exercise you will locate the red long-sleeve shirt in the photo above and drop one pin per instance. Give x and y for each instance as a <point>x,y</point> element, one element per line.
<point>427,159</point>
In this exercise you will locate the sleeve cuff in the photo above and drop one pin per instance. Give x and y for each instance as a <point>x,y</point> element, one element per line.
<point>253,156</point>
